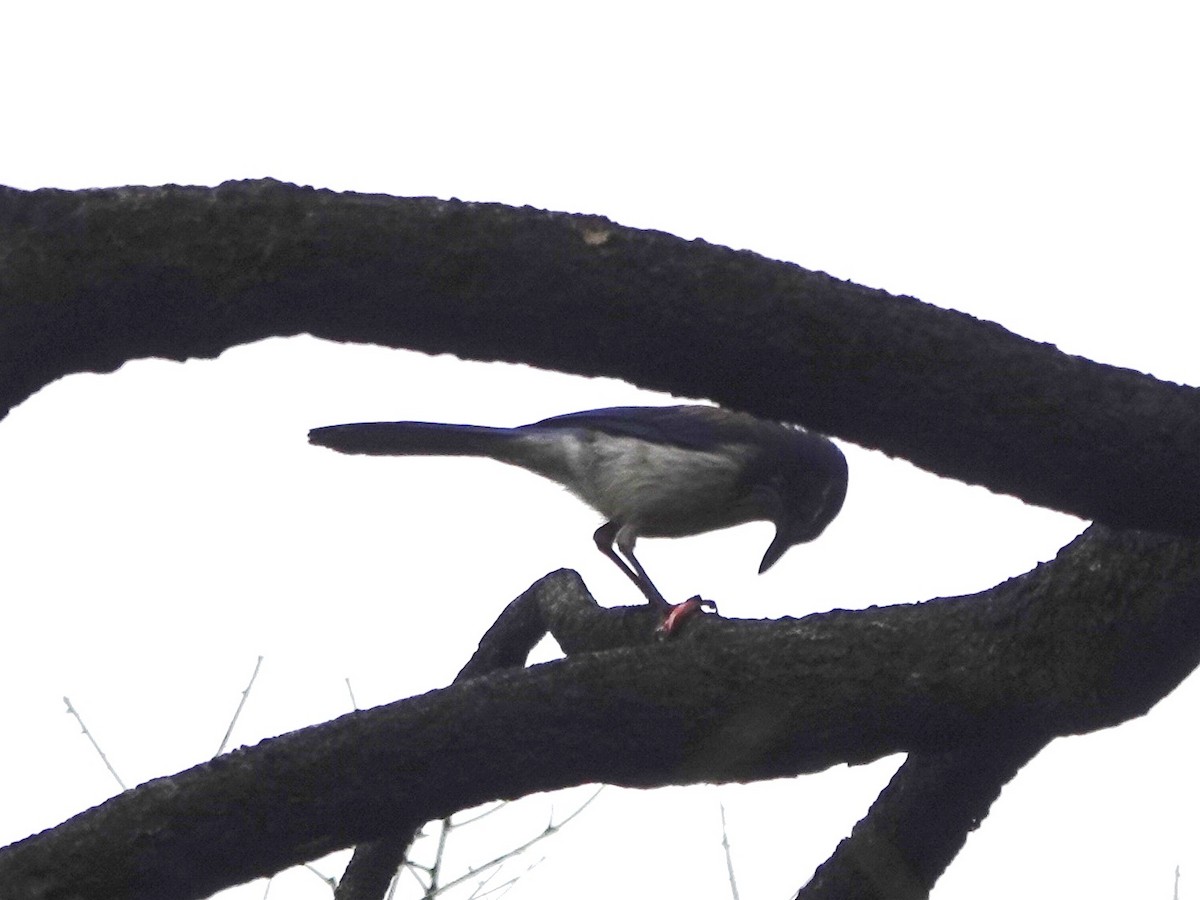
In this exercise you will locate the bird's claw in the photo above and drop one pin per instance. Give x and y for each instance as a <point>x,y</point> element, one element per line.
<point>680,612</point>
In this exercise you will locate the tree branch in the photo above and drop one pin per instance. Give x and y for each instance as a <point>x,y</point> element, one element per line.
<point>1095,637</point>
<point>919,823</point>
<point>507,644</point>
<point>94,278</point>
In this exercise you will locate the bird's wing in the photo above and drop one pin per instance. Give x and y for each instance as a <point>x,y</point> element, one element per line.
<point>689,427</point>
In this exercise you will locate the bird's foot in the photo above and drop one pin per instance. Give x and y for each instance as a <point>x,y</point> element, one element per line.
<point>678,613</point>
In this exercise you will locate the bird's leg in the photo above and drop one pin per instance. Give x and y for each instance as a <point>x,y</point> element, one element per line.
<point>674,614</point>
<point>606,537</point>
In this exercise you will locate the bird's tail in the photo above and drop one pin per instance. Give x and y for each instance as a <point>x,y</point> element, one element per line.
<point>413,439</point>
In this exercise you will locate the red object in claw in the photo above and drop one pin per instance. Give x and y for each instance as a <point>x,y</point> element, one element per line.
<point>680,613</point>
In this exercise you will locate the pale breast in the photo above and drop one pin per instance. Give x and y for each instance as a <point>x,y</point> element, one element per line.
<point>660,490</point>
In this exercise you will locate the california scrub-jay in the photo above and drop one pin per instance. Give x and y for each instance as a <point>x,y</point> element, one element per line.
<point>666,471</point>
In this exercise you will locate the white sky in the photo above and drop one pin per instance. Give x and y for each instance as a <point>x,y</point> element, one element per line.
<point>1036,167</point>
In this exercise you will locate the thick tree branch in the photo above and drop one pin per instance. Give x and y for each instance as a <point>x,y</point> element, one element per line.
<point>919,822</point>
<point>91,279</point>
<point>561,606</point>
<point>1096,637</point>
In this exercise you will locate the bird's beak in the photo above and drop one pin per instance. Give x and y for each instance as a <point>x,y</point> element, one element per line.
<point>777,549</point>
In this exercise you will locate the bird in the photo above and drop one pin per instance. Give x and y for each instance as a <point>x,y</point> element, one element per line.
<point>650,471</point>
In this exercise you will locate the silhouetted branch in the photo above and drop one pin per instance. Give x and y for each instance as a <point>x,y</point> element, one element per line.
<point>94,278</point>
<point>537,612</point>
<point>1087,641</point>
<point>919,823</point>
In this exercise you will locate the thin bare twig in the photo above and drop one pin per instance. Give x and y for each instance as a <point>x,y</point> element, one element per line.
<point>728,856</point>
<point>435,871</point>
<point>500,804</point>
<point>328,879</point>
<point>550,829</point>
<point>78,718</point>
<point>503,887</point>
<point>506,886</point>
<point>238,711</point>
<point>350,690</point>
<point>412,869</point>
<point>479,888</point>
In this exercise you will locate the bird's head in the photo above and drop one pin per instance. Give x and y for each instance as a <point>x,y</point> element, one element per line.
<point>804,493</point>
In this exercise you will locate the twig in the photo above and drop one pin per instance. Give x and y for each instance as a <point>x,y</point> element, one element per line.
<point>436,869</point>
<point>549,830</point>
<point>728,856</point>
<point>500,804</point>
<point>350,690</point>
<point>479,887</point>
<point>503,887</point>
<point>328,879</point>
<point>238,711</point>
<point>393,885</point>
<point>412,868</point>
<point>71,709</point>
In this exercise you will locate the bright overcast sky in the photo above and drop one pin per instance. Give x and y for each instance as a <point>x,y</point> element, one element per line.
<point>166,525</point>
